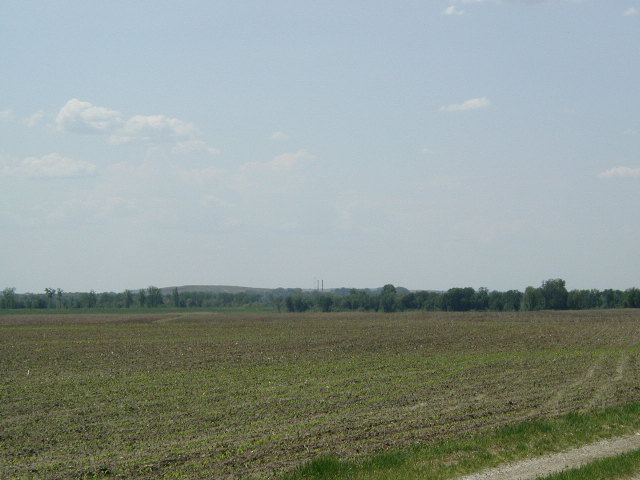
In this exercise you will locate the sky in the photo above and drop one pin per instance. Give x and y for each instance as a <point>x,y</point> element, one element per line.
<point>429,144</point>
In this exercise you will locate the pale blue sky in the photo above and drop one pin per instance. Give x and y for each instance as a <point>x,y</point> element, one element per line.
<point>429,144</point>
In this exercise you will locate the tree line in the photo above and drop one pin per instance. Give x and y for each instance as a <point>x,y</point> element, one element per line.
<point>550,295</point>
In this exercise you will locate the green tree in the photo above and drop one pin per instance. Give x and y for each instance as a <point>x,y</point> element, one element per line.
<point>154,297</point>
<point>9,297</point>
<point>631,298</point>
<point>325,302</point>
<point>387,298</point>
<point>128,298</point>
<point>175,297</point>
<point>481,299</point>
<point>142,298</point>
<point>555,294</point>
<point>459,299</point>
<point>409,301</point>
<point>92,299</point>
<point>533,299</point>
<point>59,293</point>
<point>50,292</point>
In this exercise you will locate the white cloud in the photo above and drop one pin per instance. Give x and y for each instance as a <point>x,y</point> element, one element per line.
<point>283,170</point>
<point>83,117</point>
<point>620,172</point>
<point>52,165</point>
<point>32,120</point>
<point>200,175</point>
<point>452,10</point>
<point>208,200</point>
<point>194,146</point>
<point>631,131</point>
<point>6,114</point>
<point>279,136</point>
<point>473,104</point>
<point>153,128</point>
<point>631,11</point>
<point>521,2</point>
<point>287,160</point>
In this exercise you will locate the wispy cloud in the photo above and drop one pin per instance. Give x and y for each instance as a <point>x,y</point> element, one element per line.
<point>472,104</point>
<point>6,114</point>
<point>285,161</point>
<point>520,2</point>
<point>52,165</point>
<point>153,128</point>
<point>194,146</point>
<point>452,10</point>
<point>32,120</point>
<point>279,136</point>
<point>620,172</point>
<point>631,11</point>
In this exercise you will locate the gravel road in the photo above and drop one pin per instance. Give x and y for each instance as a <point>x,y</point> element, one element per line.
<point>553,463</point>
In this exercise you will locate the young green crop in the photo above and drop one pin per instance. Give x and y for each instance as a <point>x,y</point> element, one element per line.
<point>207,395</point>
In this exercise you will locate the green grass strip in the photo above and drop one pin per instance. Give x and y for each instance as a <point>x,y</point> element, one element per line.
<point>451,458</point>
<point>619,466</point>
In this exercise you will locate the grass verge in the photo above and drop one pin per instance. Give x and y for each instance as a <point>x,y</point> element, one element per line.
<point>610,468</point>
<point>448,459</point>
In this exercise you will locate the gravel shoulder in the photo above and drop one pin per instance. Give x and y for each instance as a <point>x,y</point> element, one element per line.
<point>548,464</point>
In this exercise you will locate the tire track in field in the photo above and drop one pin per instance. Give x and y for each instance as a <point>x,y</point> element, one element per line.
<point>533,468</point>
<point>608,383</point>
<point>553,403</point>
<point>170,319</point>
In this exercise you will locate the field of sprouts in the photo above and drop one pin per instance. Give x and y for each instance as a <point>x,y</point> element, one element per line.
<point>209,395</point>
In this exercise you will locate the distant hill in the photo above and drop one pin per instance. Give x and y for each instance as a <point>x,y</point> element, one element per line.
<point>214,289</point>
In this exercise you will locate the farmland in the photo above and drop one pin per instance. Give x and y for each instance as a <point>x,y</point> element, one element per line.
<point>209,395</point>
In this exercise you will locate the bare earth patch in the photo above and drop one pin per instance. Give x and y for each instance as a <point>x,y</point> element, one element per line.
<point>548,464</point>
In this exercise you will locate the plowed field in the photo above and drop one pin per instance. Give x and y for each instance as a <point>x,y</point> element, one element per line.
<point>245,396</point>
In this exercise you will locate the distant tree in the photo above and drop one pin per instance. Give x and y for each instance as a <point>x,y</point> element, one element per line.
<point>555,294</point>
<point>297,303</point>
<point>92,299</point>
<point>142,298</point>
<point>276,300</point>
<point>154,297</point>
<point>50,292</point>
<point>481,299</point>
<point>431,301</point>
<point>128,298</point>
<point>611,298</point>
<point>582,299</point>
<point>533,299</point>
<point>387,298</point>
<point>34,300</point>
<point>325,302</point>
<point>108,300</point>
<point>87,300</point>
<point>9,297</point>
<point>59,293</point>
<point>631,298</point>
<point>459,299</point>
<point>175,297</point>
<point>512,299</point>
<point>408,301</point>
